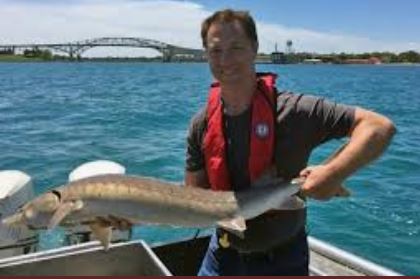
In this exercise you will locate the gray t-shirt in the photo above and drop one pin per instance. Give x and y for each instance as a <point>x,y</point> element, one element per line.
<point>302,123</point>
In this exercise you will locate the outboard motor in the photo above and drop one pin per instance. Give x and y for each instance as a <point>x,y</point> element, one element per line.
<point>15,190</point>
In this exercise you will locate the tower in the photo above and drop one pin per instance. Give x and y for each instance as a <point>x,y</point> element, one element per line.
<point>289,46</point>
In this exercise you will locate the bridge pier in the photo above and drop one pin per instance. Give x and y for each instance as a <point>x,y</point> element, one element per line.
<point>72,52</point>
<point>166,58</point>
<point>167,55</point>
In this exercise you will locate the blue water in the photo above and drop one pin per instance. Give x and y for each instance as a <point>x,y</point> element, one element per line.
<point>56,116</point>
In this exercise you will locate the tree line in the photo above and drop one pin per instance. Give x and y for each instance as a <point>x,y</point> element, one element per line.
<point>385,57</point>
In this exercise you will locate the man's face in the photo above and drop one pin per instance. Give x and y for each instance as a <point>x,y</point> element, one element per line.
<point>230,52</point>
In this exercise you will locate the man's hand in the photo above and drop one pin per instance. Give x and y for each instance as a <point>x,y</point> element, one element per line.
<point>321,183</point>
<point>370,135</point>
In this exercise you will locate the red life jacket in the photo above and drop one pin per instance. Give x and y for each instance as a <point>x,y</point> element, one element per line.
<point>261,138</point>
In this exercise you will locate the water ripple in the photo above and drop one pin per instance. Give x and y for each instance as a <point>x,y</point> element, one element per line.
<point>56,116</point>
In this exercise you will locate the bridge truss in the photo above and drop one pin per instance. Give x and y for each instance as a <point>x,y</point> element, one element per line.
<point>75,49</point>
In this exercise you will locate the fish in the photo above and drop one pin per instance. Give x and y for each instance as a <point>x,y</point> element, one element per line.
<point>99,201</point>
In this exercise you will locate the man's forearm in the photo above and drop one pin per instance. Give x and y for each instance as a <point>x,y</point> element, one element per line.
<point>370,136</point>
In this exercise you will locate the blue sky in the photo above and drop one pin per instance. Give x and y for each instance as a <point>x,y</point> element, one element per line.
<point>377,19</point>
<point>322,26</point>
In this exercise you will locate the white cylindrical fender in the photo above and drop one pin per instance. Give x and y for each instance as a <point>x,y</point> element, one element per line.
<point>82,233</point>
<point>96,168</point>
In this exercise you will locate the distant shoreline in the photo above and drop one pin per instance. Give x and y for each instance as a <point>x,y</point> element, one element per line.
<point>22,59</point>
<point>17,61</point>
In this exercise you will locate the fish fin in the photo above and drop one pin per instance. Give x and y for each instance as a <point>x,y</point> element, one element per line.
<point>291,203</point>
<point>103,233</point>
<point>236,226</point>
<point>63,210</point>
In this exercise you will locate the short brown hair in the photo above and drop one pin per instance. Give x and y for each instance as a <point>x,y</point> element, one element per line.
<point>228,15</point>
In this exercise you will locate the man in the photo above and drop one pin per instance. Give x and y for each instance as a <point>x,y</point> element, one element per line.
<point>247,128</point>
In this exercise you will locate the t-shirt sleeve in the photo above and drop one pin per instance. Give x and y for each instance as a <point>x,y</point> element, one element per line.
<point>323,119</point>
<point>194,159</point>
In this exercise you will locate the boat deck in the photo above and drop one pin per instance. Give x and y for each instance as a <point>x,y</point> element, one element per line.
<point>136,258</point>
<point>325,260</point>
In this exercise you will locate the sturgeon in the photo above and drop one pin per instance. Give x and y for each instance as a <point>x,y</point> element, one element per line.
<point>99,200</point>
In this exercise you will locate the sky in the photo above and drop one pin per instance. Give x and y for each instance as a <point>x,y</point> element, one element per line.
<point>322,26</point>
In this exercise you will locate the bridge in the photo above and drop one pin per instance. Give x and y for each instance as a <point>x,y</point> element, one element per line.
<point>75,49</point>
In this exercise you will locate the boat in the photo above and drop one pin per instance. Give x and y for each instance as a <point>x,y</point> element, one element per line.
<point>84,256</point>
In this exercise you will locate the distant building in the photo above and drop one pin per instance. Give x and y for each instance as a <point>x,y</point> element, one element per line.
<point>263,58</point>
<point>278,57</point>
<point>371,60</point>
<point>375,60</point>
<point>312,61</point>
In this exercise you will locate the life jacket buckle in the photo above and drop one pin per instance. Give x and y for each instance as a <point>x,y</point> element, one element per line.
<point>224,241</point>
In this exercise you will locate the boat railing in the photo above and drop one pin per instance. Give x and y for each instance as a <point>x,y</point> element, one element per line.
<point>345,258</point>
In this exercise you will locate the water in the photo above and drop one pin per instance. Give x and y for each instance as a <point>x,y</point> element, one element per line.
<point>56,116</point>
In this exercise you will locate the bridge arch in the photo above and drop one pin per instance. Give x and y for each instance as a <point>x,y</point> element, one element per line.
<point>75,49</point>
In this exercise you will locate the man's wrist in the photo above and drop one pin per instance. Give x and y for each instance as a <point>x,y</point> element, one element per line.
<point>338,171</point>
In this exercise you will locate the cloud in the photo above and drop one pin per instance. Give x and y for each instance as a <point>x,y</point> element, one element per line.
<point>169,21</point>
<point>313,41</point>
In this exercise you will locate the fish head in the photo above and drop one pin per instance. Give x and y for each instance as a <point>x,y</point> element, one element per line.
<point>36,213</point>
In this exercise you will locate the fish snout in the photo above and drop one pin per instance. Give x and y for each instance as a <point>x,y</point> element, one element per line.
<point>25,217</point>
<point>35,213</point>
<point>15,220</point>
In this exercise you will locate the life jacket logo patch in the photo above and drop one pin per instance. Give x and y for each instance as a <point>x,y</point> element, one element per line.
<point>262,130</point>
